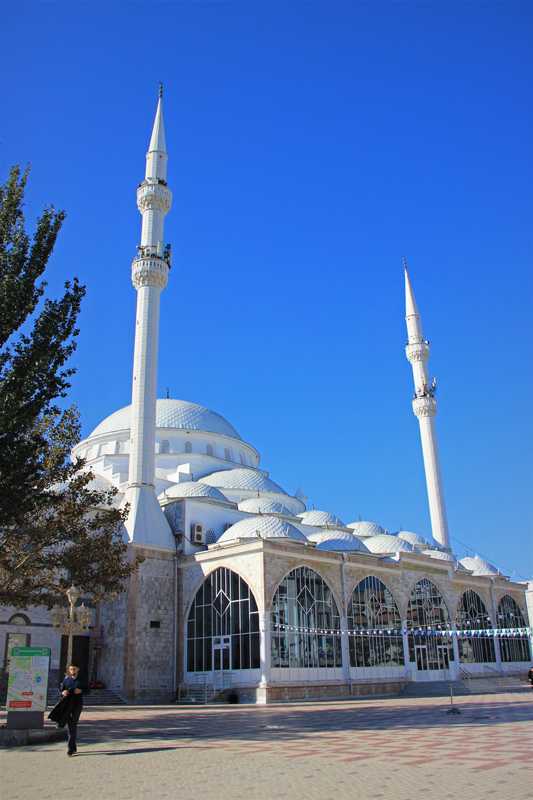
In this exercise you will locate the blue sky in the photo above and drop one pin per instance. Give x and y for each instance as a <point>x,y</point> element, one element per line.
<point>311,146</point>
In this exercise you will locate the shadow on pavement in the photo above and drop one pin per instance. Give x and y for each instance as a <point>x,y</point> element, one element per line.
<point>258,723</point>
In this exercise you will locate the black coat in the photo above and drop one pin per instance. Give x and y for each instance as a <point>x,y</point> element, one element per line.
<point>62,710</point>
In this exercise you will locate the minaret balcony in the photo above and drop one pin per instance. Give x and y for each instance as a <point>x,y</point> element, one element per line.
<point>417,351</point>
<point>154,196</point>
<point>149,271</point>
<point>425,407</point>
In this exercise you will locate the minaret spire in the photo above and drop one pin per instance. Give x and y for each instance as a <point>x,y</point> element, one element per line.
<point>425,408</point>
<point>146,522</point>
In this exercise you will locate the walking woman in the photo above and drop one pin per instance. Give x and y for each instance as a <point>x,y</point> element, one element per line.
<point>78,686</point>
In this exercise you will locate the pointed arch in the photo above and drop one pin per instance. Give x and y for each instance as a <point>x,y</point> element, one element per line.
<point>305,622</point>
<point>372,607</point>
<point>223,624</point>
<point>427,608</point>
<point>512,648</point>
<point>428,618</point>
<point>472,615</point>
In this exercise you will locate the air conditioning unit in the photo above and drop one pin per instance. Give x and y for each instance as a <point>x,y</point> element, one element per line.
<point>197,534</point>
<point>227,525</point>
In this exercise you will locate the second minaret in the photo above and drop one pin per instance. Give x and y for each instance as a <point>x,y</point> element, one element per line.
<point>425,408</point>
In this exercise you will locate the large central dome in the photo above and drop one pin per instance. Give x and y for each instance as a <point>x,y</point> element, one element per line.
<point>171,414</point>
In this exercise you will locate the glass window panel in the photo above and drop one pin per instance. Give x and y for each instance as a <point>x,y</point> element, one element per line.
<point>213,615</point>
<point>304,601</point>
<point>373,607</point>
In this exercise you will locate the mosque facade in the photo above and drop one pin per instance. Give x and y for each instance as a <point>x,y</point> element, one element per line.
<point>245,591</point>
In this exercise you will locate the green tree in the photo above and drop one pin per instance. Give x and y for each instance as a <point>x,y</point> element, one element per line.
<point>56,524</point>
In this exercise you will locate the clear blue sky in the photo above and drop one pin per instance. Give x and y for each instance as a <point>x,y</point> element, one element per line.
<point>311,146</point>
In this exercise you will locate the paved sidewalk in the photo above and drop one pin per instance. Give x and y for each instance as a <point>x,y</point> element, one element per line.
<point>393,749</point>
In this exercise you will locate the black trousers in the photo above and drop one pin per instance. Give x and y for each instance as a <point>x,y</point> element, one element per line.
<point>72,726</point>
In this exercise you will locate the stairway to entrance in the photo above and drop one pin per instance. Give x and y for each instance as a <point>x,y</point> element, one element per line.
<point>435,689</point>
<point>98,697</point>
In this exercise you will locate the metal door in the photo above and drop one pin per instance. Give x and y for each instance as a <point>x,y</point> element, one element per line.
<point>221,653</point>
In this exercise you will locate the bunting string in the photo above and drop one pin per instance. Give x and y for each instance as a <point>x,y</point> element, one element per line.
<point>429,631</point>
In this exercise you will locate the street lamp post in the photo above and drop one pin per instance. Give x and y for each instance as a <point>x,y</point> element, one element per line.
<point>65,622</point>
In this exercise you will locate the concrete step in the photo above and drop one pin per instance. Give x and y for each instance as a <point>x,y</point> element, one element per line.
<point>97,697</point>
<point>496,685</point>
<point>435,689</point>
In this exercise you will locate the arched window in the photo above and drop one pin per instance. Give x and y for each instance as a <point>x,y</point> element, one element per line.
<point>427,616</point>
<point>19,619</point>
<point>209,449</point>
<point>373,608</point>
<point>121,448</point>
<point>472,615</point>
<point>210,536</point>
<point>305,622</point>
<point>165,446</point>
<point>242,458</point>
<point>512,648</point>
<point>188,446</point>
<point>223,625</point>
<point>227,454</point>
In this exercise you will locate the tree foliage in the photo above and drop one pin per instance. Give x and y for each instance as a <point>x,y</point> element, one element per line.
<point>56,526</point>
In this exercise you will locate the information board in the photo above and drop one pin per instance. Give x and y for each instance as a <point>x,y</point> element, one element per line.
<point>28,679</point>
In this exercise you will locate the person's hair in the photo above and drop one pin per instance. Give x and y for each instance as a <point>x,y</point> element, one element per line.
<point>73,664</point>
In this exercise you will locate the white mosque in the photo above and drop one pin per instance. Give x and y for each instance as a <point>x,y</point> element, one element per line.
<point>243,589</point>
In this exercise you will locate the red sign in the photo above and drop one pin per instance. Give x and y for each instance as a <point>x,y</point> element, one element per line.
<point>20,704</point>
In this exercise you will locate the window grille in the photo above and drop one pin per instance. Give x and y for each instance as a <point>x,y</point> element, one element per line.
<point>210,537</point>
<point>165,446</point>
<point>510,616</point>
<point>372,607</point>
<point>427,613</point>
<point>224,609</point>
<point>209,450</point>
<point>188,446</point>
<point>472,615</point>
<point>227,454</point>
<point>305,622</point>
<point>241,457</point>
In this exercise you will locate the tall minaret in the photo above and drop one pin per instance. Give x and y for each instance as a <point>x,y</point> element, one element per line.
<point>425,408</point>
<point>146,522</point>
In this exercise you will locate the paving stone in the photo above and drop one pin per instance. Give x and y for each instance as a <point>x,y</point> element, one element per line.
<point>387,748</point>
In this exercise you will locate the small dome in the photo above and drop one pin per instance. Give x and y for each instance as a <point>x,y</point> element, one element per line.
<point>440,554</point>
<point>190,489</point>
<point>478,566</point>
<point>336,540</point>
<point>254,505</point>
<point>96,484</point>
<point>385,543</point>
<point>171,414</point>
<point>319,519</point>
<point>249,479</point>
<point>363,528</point>
<point>263,527</point>
<point>412,538</point>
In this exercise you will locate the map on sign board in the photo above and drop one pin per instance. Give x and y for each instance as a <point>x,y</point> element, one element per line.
<point>28,679</point>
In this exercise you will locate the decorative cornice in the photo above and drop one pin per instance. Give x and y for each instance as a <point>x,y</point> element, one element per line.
<point>149,272</point>
<point>425,407</point>
<point>154,196</point>
<point>417,351</point>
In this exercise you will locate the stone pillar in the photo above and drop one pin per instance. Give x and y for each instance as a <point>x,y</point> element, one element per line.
<point>264,645</point>
<point>405,636</point>
<point>345,647</point>
<point>498,652</point>
<point>455,652</point>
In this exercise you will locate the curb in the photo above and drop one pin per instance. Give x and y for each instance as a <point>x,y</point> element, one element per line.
<point>20,738</point>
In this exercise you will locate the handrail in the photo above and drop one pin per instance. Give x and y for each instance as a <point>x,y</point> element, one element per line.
<point>226,679</point>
